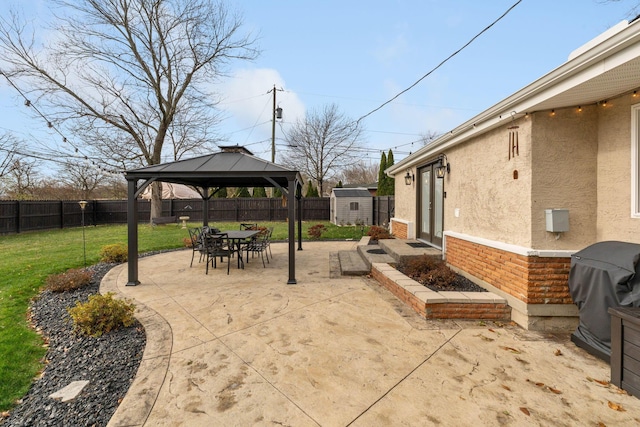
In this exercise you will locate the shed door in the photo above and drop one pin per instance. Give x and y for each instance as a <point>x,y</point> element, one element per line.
<point>430,205</point>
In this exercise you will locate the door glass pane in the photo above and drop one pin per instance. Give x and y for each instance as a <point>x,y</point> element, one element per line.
<point>425,208</point>
<point>438,200</point>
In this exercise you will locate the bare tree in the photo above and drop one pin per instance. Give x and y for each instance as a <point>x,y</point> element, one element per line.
<point>360,172</point>
<point>22,179</point>
<point>8,146</point>
<point>126,75</point>
<point>428,137</point>
<point>322,144</point>
<point>83,178</point>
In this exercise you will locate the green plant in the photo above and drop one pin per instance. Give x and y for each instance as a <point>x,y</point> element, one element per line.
<point>114,253</point>
<point>70,280</point>
<point>378,233</point>
<point>315,232</point>
<point>101,314</point>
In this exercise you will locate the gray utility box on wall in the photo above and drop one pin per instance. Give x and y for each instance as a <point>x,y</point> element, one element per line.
<point>557,220</point>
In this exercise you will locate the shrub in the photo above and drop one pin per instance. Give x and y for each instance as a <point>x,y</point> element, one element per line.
<point>315,232</point>
<point>114,253</point>
<point>417,266</point>
<point>378,233</point>
<point>68,281</point>
<point>101,314</point>
<point>429,271</point>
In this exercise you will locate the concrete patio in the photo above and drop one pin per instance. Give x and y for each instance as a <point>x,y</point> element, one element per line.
<point>248,349</point>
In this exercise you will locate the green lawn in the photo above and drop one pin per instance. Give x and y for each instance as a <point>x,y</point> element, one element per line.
<point>27,259</point>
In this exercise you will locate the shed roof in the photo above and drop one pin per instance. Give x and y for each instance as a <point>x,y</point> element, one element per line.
<point>351,192</point>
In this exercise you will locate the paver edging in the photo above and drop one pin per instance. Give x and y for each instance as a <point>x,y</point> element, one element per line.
<point>441,305</point>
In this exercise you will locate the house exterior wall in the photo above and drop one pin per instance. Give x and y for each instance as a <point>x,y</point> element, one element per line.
<point>564,158</point>
<point>405,207</point>
<point>614,221</point>
<point>481,187</point>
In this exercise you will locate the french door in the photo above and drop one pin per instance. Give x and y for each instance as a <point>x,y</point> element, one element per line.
<point>430,205</point>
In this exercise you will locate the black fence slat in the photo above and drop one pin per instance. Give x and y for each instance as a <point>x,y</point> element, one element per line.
<point>31,215</point>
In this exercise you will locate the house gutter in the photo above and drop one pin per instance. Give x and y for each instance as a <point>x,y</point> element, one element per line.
<point>583,65</point>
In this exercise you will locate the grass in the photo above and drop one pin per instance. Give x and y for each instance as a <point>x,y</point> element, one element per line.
<point>29,258</point>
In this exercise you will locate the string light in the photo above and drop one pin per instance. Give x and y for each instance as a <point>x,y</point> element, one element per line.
<point>50,125</point>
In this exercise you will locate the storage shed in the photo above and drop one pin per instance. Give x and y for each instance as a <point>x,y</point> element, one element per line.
<point>351,206</point>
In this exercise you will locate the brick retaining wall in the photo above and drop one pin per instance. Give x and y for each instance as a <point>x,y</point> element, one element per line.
<point>531,279</point>
<point>400,229</point>
<point>441,305</point>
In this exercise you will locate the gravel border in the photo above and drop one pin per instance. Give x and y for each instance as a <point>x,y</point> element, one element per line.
<point>109,363</point>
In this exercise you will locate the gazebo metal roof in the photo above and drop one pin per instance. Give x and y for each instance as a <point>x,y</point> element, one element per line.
<point>222,169</point>
<point>228,168</point>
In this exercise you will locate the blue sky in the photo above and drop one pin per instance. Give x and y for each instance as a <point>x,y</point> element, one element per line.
<point>359,54</point>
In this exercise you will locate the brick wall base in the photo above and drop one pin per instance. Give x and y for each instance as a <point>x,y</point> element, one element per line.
<point>530,279</point>
<point>400,229</point>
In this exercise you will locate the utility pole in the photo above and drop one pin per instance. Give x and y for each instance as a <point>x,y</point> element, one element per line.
<point>276,114</point>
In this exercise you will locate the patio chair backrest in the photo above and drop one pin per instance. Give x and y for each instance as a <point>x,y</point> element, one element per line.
<point>248,226</point>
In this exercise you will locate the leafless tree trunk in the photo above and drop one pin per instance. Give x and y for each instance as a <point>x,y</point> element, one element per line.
<point>322,144</point>
<point>127,75</point>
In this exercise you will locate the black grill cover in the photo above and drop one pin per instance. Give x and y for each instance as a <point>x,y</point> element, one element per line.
<point>603,275</point>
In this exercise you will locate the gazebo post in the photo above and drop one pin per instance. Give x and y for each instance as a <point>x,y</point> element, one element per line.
<point>292,231</point>
<point>205,207</point>
<point>132,233</point>
<point>299,200</point>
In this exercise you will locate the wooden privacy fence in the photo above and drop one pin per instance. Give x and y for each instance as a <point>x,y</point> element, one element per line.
<point>31,215</point>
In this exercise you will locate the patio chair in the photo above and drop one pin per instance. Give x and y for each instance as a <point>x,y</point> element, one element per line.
<point>197,243</point>
<point>217,246</point>
<point>248,225</point>
<point>268,242</point>
<point>259,246</point>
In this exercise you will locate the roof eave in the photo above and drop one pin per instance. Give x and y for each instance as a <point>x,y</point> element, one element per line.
<point>521,102</point>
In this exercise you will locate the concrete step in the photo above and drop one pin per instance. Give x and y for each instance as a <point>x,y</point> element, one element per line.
<point>352,264</point>
<point>400,248</point>
<point>372,254</point>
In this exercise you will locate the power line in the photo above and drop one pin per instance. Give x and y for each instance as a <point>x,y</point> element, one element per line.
<point>441,63</point>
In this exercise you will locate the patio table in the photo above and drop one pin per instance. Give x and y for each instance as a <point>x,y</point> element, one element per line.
<point>237,237</point>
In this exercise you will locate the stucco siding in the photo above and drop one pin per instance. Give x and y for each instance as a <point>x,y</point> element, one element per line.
<point>614,172</point>
<point>405,199</point>
<point>481,187</point>
<point>565,155</point>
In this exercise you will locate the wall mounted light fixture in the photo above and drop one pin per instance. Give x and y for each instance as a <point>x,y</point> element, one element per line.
<point>443,166</point>
<point>409,177</point>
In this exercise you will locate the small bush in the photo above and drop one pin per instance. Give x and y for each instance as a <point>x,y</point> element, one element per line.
<point>101,314</point>
<point>428,270</point>
<point>378,233</point>
<point>417,266</point>
<point>68,281</point>
<point>115,253</point>
<point>315,232</point>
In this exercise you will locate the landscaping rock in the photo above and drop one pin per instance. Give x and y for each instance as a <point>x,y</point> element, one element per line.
<point>109,363</point>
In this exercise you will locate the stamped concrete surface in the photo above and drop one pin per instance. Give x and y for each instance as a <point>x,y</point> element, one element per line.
<point>247,349</point>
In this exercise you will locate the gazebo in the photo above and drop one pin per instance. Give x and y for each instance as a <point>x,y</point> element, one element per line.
<point>232,167</point>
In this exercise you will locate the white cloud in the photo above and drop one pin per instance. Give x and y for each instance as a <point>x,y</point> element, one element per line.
<point>247,101</point>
